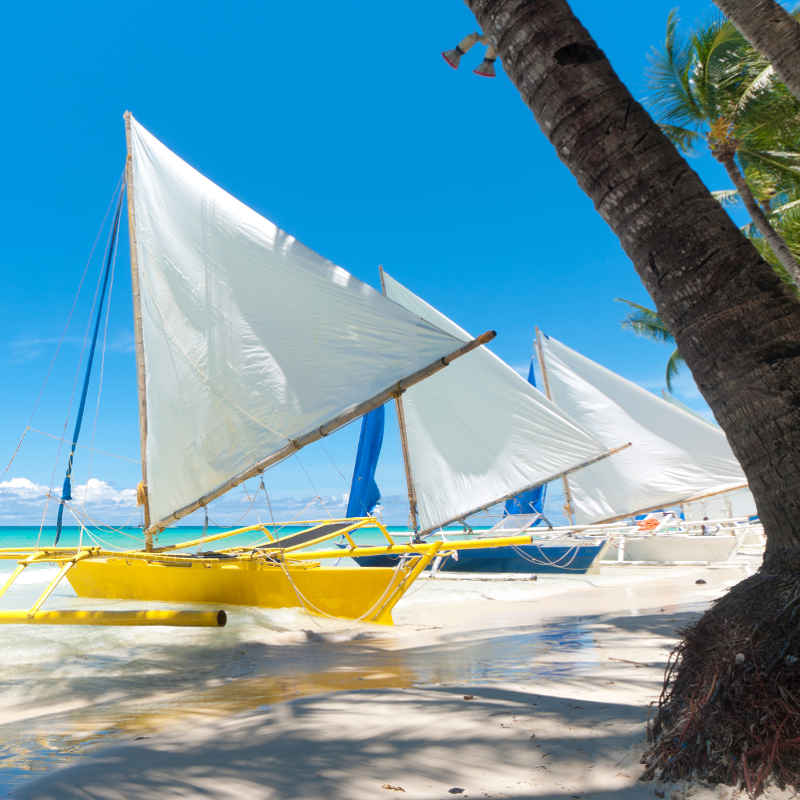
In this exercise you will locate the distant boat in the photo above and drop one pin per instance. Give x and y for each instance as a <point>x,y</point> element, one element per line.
<point>481,437</point>
<point>676,459</point>
<point>249,346</point>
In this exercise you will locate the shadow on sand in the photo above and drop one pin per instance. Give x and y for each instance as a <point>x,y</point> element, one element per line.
<point>358,719</point>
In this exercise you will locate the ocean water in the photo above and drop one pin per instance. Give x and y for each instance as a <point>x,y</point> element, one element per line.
<point>121,538</point>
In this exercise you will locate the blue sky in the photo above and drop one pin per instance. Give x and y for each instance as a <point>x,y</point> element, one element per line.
<point>342,124</point>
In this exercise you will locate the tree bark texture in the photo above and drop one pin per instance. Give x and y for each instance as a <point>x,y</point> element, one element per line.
<point>736,324</point>
<point>771,236</point>
<point>773,31</point>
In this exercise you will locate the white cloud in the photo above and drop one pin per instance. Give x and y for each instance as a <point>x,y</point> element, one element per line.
<point>22,501</point>
<point>22,488</point>
<point>97,492</point>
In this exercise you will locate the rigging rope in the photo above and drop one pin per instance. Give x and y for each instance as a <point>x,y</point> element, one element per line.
<point>102,361</point>
<point>87,447</point>
<point>310,608</point>
<point>66,491</point>
<point>269,502</point>
<point>62,339</point>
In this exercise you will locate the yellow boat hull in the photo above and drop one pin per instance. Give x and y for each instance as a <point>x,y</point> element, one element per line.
<point>367,594</point>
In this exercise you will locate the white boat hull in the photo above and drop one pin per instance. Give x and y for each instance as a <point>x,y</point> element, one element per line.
<point>670,547</point>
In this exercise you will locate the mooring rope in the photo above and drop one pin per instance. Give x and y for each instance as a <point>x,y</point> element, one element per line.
<point>305,603</point>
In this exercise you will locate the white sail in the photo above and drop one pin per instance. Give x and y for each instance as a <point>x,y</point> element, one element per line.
<point>478,432</point>
<point>726,505</point>
<point>250,338</point>
<point>674,455</point>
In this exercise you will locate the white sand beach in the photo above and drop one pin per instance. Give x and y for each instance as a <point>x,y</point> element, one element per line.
<point>485,688</point>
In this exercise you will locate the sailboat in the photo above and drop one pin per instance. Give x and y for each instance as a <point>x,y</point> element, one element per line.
<point>477,436</point>
<point>677,459</point>
<point>249,346</point>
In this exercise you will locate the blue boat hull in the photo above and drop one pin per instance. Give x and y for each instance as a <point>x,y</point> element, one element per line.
<point>527,558</point>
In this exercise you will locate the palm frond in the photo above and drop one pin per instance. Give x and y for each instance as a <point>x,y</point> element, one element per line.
<point>786,166</point>
<point>759,83</point>
<point>645,322</point>
<point>683,138</point>
<point>763,183</point>
<point>766,253</point>
<point>673,368</point>
<point>726,197</point>
<point>791,206</point>
<point>669,80</point>
<point>711,46</point>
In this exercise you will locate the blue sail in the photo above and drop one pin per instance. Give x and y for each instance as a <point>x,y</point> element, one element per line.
<point>364,492</point>
<point>532,501</point>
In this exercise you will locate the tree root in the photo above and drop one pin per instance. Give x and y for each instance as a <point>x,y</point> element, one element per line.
<point>729,711</point>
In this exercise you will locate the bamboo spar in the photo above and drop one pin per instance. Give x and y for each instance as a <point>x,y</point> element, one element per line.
<point>682,501</point>
<point>137,331</point>
<point>540,358</point>
<point>401,422</point>
<point>329,427</point>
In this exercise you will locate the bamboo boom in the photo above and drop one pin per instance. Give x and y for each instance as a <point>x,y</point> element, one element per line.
<point>692,499</point>
<point>137,328</point>
<point>520,491</point>
<point>545,380</point>
<point>401,423</point>
<point>318,433</point>
<point>212,619</point>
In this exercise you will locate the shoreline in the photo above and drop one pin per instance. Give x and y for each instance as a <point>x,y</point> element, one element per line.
<point>502,688</point>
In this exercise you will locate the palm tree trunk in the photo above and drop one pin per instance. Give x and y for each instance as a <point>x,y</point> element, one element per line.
<point>771,236</point>
<point>773,31</point>
<point>734,322</point>
<point>738,328</point>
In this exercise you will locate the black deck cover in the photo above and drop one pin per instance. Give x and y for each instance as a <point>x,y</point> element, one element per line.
<point>306,536</point>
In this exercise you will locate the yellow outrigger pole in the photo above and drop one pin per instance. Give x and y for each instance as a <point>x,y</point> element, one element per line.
<point>67,557</point>
<point>274,572</point>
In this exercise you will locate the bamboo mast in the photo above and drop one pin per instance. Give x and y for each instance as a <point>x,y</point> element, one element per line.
<point>401,420</point>
<point>142,495</point>
<point>540,357</point>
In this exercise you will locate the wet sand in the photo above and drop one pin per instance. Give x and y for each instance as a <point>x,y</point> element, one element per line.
<point>500,688</point>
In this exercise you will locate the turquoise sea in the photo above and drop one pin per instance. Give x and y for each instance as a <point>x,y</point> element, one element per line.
<point>122,538</point>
